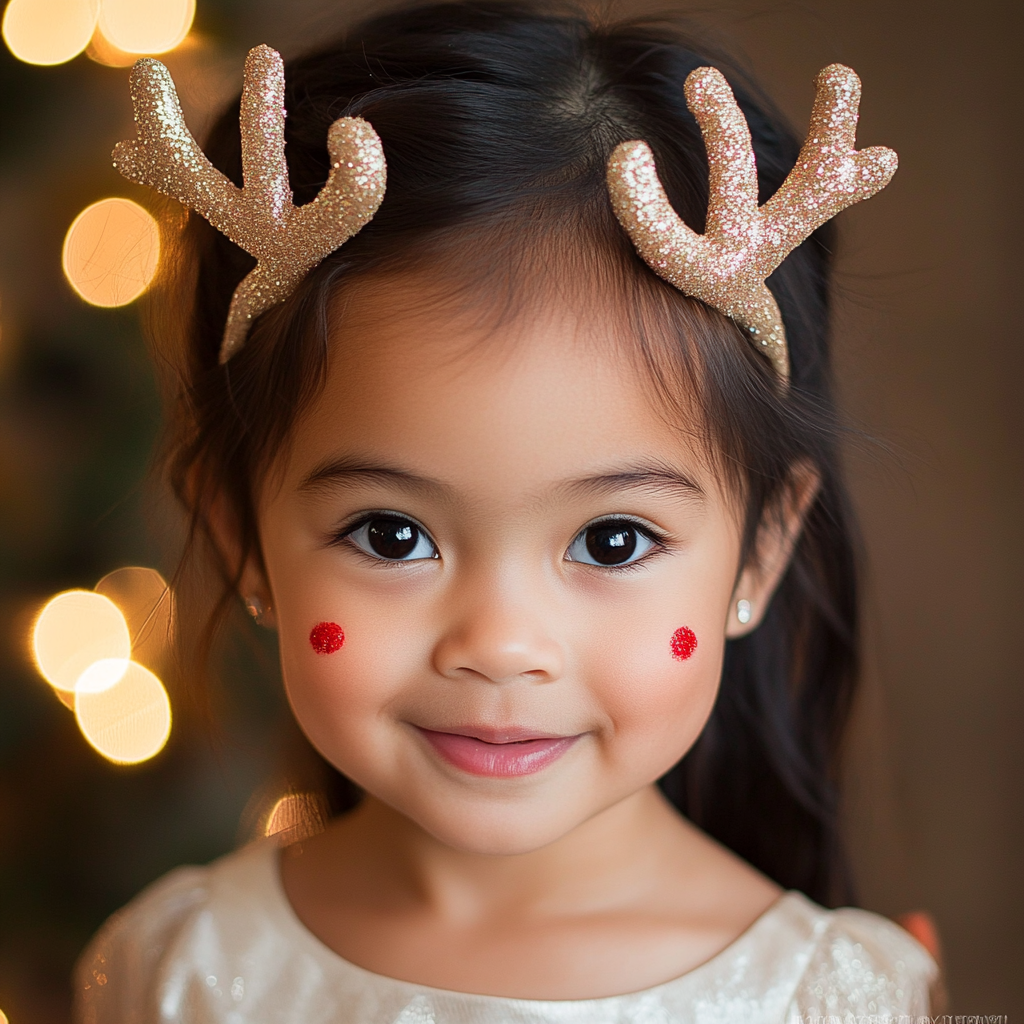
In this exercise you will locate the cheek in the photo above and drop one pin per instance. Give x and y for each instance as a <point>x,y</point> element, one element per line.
<point>342,665</point>
<point>656,686</point>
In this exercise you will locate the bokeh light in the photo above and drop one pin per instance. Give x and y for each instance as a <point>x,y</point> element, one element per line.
<point>111,252</point>
<point>101,675</point>
<point>147,604</point>
<point>102,51</point>
<point>90,645</point>
<point>74,630</point>
<point>146,26</point>
<point>296,816</point>
<point>49,31</point>
<point>128,722</point>
<point>67,698</point>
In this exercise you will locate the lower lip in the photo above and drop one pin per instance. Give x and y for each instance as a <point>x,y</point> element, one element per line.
<point>497,760</point>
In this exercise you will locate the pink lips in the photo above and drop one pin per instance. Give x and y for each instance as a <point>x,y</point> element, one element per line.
<point>504,754</point>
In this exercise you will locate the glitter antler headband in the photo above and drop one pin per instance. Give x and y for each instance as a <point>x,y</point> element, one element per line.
<point>726,267</point>
<point>286,240</point>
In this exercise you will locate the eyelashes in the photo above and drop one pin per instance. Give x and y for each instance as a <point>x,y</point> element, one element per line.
<point>392,538</point>
<point>612,543</point>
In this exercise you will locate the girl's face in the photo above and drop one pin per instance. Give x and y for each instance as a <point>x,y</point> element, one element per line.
<point>501,578</point>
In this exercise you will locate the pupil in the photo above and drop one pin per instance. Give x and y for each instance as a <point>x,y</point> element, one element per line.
<point>612,544</point>
<point>392,538</point>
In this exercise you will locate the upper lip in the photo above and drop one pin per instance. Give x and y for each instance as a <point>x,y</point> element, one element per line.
<point>490,734</point>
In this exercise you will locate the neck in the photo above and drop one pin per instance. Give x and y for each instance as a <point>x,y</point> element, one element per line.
<point>382,852</point>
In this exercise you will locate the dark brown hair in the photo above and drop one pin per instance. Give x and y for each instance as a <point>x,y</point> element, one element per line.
<point>497,120</point>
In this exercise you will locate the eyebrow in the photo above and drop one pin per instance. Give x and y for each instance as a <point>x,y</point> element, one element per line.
<point>349,469</point>
<point>654,477</point>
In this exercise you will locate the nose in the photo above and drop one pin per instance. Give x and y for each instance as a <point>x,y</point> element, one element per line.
<point>496,634</point>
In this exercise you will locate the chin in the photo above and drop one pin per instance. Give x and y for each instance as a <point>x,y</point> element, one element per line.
<point>503,838</point>
<point>498,827</point>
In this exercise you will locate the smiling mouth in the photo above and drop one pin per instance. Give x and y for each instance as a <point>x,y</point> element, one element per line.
<point>505,753</point>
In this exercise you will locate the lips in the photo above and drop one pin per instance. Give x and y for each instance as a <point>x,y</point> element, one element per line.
<point>497,753</point>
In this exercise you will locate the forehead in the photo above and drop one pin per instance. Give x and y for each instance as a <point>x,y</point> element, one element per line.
<point>497,405</point>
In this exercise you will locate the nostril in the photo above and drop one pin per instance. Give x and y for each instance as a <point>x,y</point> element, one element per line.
<point>496,648</point>
<point>495,676</point>
<point>538,676</point>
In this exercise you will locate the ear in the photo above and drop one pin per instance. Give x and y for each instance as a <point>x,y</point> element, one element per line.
<point>226,536</point>
<point>773,549</point>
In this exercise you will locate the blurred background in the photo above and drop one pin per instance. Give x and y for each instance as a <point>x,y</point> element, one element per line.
<point>930,359</point>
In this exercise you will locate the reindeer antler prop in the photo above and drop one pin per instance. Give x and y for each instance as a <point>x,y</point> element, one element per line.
<point>286,240</point>
<point>726,267</point>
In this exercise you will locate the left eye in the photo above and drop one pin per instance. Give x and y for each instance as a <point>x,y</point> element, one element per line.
<point>610,542</point>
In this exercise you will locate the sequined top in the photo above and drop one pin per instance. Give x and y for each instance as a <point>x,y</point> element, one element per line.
<point>221,945</point>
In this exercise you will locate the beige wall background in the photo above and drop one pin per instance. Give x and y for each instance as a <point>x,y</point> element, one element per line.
<point>928,345</point>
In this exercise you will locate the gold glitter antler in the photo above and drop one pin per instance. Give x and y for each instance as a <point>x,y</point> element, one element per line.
<point>726,267</point>
<point>286,240</point>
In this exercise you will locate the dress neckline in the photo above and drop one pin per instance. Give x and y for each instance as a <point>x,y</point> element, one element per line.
<point>741,947</point>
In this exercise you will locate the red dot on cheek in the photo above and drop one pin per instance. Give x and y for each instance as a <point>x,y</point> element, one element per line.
<point>326,637</point>
<point>683,643</point>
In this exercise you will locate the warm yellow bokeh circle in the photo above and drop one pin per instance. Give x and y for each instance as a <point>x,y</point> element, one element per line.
<point>147,604</point>
<point>73,631</point>
<point>128,722</point>
<point>146,26</point>
<point>111,252</point>
<point>49,31</point>
<point>103,51</point>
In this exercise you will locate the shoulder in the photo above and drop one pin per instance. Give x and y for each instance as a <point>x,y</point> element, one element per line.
<point>860,963</point>
<point>144,950</point>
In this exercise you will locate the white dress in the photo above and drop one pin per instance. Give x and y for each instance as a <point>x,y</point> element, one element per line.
<point>221,945</point>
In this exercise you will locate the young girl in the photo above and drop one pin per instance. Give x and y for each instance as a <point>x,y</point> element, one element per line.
<point>540,492</point>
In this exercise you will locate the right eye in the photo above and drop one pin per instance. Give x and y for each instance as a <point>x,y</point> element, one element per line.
<point>393,539</point>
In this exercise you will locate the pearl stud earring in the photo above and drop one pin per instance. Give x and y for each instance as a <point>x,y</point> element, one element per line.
<point>743,611</point>
<point>254,606</point>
